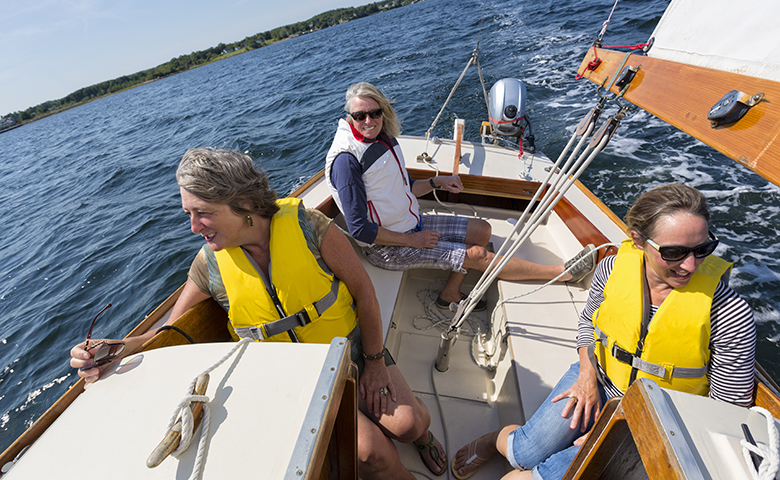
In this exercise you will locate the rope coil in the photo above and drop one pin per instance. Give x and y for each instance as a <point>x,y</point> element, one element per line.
<point>770,453</point>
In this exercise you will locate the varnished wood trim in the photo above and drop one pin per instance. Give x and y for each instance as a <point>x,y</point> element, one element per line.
<point>489,186</point>
<point>157,314</point>
<point>329,207</point>
<point>205,322</point>
<point>608,433</point>
<point>581,227</point>
<point>682,96</point>
<point>458,141</point>
<point>308,183</point>
<point>339,419</point>
<point>650,438</point>
<point>597,201</point>
<point>766,393</point>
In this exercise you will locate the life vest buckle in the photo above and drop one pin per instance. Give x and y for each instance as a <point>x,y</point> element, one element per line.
<point>622,355</point>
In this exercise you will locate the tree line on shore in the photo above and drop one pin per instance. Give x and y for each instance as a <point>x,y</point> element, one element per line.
<point>195,59</point>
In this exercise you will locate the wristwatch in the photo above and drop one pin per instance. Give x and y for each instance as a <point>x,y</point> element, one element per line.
<point>430,180</point>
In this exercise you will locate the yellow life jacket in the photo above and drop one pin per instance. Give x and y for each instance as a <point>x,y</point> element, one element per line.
<point>300,302</point>
<point>675,351</point>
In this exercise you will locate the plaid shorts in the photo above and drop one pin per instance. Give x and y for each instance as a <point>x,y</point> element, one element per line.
<point>448,254</point>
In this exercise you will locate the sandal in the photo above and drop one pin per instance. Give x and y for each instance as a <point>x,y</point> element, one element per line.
<point>425,448</point>
<point>473,459</point>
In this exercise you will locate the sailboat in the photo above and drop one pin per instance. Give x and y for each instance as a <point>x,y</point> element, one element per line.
<point>475,371</point>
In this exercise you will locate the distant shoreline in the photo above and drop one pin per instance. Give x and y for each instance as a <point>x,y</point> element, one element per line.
<point>69,107</point>
<point>198,59</point>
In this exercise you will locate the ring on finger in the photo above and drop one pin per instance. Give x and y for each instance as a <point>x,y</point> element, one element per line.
<point>573,397</point>
<point>383,391</point>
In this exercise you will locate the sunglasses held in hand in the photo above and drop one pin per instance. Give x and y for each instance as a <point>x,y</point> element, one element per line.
<point>106,351</point>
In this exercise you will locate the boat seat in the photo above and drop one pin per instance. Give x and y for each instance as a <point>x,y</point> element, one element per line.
<point>657,433</point>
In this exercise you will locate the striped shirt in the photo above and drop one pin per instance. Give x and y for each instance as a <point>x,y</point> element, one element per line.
<point>732,339</point>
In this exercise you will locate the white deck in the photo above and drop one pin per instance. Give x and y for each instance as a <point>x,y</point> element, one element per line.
<point>251,397</point>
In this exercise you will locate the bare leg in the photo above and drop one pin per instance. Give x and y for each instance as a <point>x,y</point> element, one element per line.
<point>518,475</point>
<point>377,456</point>
<point>477,237</point>
<point>406,420</point>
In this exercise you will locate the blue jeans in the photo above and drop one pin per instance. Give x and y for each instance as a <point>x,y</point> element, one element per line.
<point>545,442</point>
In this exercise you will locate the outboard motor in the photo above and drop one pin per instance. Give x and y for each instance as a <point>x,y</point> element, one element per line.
<point>507,109</point>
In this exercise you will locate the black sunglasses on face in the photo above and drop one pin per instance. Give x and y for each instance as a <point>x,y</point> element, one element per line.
<point>675,254</point>
<point>360,116</point>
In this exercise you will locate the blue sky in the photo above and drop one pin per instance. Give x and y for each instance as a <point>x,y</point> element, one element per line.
<point>51,48</point>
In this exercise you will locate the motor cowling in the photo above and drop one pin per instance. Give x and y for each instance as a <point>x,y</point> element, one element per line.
<point>507,107</point>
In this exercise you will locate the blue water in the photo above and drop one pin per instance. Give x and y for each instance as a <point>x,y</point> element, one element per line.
<point>91,207</point>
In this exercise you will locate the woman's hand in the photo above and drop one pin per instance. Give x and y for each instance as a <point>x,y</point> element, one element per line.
<point>583,399</point>
<point>81,357</point>
<point>375,376</point>
<point>423,239</point>
<point>451,184</point>
<point>583,396</point>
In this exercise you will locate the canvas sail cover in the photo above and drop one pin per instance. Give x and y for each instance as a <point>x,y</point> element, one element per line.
<point>738,37</point>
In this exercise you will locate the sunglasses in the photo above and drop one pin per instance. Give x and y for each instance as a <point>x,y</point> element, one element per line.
<point>360,116</point>
<point>106,351</point>
<point>92,325</point>
<point>675,254</point>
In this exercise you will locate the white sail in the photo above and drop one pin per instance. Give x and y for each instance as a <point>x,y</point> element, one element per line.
<point>721,34</point>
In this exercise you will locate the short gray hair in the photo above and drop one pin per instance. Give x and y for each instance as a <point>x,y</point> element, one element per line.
<point>229,178</point>
<point>390,123</point>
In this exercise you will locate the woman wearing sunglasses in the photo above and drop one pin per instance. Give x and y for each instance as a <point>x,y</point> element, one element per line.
<point>659,309</point>
<point>284,273</point>
<point>365,171</point>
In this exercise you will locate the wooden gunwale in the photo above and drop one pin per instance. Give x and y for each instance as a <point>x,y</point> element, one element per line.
<point>49,416</point>
<point>682,96</point>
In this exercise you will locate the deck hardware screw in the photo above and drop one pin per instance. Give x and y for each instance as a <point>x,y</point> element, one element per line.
<point>671,432</point>
<point>313,430</point>
<point>332,369</point>
<point>324,397</point>
<point>299,472</point>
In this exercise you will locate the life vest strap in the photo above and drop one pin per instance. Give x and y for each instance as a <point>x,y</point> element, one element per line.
<point>299,319</point>
<point>648,367</point>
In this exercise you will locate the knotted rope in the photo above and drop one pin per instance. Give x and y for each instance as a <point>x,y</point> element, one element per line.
<point>184,411</point>
<point>770,454</point>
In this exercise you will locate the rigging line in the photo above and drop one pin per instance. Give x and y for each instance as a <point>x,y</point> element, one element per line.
<point>479,34</point>
<point>472,61</point>
<point>604,27</point>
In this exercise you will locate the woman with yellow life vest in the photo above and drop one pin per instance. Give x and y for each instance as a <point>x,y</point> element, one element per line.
<point>285,274</point>
<point>659,309</point>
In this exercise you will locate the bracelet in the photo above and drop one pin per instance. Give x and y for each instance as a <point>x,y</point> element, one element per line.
<point>374,357</point>
<point>430,180</point>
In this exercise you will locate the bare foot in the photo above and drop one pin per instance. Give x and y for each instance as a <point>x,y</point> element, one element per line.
<point>432,454</point>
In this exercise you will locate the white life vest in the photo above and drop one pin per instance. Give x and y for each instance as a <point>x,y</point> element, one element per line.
<point>391,203</point>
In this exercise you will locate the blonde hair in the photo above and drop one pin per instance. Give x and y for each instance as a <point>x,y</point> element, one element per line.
<point>390,123</point>
<point>229,178</point>
<point>662,201</point>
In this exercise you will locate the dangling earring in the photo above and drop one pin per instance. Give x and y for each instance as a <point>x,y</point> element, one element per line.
<point>250,221</point>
